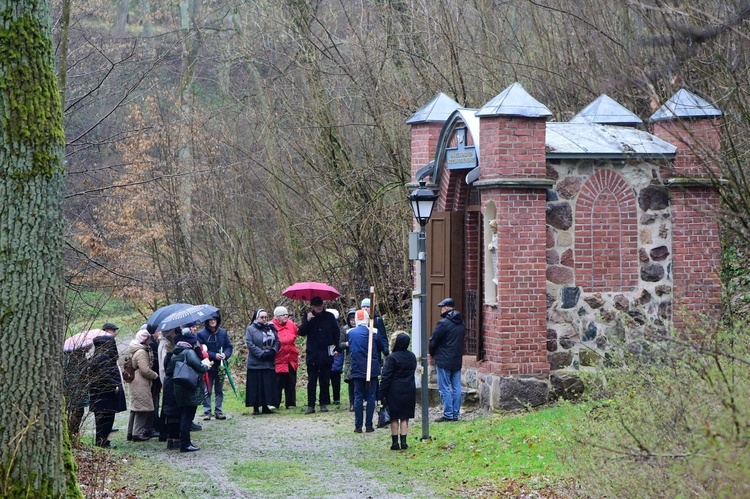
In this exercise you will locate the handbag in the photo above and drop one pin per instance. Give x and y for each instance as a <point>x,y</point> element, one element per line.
<point>384,417</point>
<point>184,375</point>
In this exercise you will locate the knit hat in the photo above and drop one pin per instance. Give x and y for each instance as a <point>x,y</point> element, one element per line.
<point>280,311</point>
<point>361,318</point>
<point>365,303</point>
<point>188,338</point>
<point>142,336</point>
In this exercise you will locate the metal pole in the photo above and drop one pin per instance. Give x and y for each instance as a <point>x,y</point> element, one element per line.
<point>423,325</point>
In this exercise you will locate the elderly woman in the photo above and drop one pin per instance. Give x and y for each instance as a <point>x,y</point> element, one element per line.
<point>287,358</point>
<point>398,389</point>
<point>263,343</point>
<point>187,398</point>
<point>141,399</point>
<point>105,389</point>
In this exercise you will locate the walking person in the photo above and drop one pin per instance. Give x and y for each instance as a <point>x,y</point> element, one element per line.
<point>187,398</point>
<point>398,389</point>
<point>262,342</point>
<point>447,349</point>
<point>359,339</point>
<point>141,400</point>
<point>106,391</point>
<point>219,348</point>
<point>322,332</point>
<point>287,358</point>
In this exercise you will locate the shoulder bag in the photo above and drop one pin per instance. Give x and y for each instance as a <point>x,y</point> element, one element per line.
<point>184,375</point>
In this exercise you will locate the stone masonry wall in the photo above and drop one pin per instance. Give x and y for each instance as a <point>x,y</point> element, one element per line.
<point>626,210</point>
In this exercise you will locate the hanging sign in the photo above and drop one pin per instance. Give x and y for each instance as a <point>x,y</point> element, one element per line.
<point>462,157</point>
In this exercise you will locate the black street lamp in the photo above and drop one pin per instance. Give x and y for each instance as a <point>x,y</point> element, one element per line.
<point>422,201</point>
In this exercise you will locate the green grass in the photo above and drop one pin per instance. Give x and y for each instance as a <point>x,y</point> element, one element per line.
<point>90,309</point>
<point>486,451</point>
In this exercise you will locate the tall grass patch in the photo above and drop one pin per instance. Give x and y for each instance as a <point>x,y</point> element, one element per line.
<point>672,420</point>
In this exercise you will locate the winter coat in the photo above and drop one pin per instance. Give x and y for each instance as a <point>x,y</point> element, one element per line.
<point>344,346</point>
<point>447,341</point>
<point>321,332</point>
<point>358,338</point>
<point>169,405</point>
<point>106,388</point>
<point>75,379</point>
<point>165,347</point>
<point>397,386</point>
<point>184,396</point>
<point>382,336</point>
<point>216,342</point>
<point>262,342</point>
<point>141,359</point>
<point>288,353</point>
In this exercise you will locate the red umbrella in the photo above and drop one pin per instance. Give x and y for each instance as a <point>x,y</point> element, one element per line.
<point>308,290</point>
<point>84,339</point>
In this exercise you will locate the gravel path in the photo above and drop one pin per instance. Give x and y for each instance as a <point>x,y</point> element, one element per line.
<point>283,455</point>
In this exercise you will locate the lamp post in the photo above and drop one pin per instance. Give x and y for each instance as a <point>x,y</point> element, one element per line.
<point>422,201</point>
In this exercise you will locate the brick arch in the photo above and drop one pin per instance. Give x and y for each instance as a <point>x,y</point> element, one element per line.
<point>606,234</point>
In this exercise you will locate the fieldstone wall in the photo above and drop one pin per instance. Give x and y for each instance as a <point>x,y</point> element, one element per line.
<point>630,287</point>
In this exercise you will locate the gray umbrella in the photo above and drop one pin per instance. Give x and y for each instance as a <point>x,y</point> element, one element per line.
<point>196,313</point>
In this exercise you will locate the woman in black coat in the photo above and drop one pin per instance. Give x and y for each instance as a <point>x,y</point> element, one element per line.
<point>398,391</point>
<point>106,390</point>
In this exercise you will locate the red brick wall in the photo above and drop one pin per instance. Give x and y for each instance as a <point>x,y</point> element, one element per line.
<point>512,147</point>
<point>696,254</point>
<point>515,330</point>
<point>697,143</point>
<point>424,139</point>
<point>606,250</point>
<point>696,243</point>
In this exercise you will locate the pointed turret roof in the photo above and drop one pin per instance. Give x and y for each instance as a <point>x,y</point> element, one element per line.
<point>685,104</point>
<point>514,101</point>
<point>606,111</point>
<point>436,111</point>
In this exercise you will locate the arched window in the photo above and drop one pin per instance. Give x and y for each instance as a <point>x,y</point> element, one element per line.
<point>606,248</point>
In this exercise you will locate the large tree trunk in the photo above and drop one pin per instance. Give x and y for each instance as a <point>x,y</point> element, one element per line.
<point>31,320</point>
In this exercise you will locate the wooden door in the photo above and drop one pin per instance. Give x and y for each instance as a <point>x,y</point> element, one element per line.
<point>444,244</point>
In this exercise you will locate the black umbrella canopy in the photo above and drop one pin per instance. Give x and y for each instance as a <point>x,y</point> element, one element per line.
<point>152,324</point>
<point>196,313</point>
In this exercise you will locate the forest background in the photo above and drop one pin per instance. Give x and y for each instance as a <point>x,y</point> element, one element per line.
<point>218,151</point>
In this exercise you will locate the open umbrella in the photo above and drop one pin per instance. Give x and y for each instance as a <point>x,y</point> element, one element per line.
<point>196,313</point>
<point>308,290</point>
<point>155,319</point>
<point>84,339</point>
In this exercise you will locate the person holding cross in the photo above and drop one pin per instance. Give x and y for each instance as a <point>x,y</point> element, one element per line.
<point>365,369</point>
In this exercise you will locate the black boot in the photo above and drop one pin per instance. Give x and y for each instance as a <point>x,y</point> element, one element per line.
<point>394,444</point>
<point>403,442</point>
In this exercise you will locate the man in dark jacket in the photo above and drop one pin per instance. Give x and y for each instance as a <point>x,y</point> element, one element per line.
<point>322,331</point>
<point>219,348</point>
<point>447,350</point>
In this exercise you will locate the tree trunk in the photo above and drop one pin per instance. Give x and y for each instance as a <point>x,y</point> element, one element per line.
<point>31,319</point>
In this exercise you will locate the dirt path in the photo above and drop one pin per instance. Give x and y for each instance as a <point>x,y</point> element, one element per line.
<point>282,455</point>
<point>286,454</point>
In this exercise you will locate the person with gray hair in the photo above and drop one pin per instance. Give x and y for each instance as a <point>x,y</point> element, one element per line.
<point>287,358</point>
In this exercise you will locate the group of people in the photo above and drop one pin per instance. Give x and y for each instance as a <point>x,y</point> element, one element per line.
<point>386,376</point>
